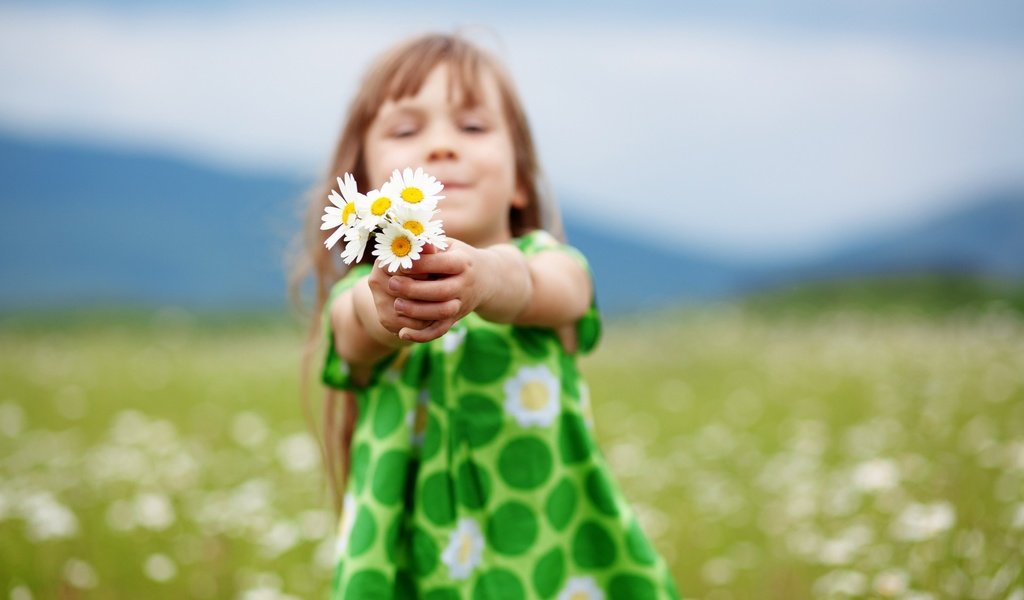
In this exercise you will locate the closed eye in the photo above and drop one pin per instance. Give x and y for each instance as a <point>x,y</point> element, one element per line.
<point>403,132</point>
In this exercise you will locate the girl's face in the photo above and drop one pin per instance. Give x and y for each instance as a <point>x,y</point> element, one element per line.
<point>468,149</point>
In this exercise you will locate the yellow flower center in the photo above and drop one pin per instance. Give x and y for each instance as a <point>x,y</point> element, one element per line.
<point>380,206</point>
<point>465,547</point>
<point>534,395</point>
<point>347,212</point>
<point>412,195</point>
<point>400,246</point>
<point>579,595</point>
<point>415,227</point>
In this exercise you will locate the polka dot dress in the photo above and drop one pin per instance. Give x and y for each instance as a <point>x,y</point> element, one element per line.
<point>475,474</point>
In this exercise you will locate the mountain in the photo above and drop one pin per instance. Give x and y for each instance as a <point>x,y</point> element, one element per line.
<point>983,238</point>
<point>84,227</point>
<point>92,227</point>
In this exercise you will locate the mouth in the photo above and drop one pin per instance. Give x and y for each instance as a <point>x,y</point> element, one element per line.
<point>455,185</point>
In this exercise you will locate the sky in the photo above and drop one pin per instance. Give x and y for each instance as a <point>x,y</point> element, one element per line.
<point>748,130</point>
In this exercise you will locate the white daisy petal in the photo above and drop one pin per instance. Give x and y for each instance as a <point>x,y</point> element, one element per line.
<point>356,239</point>
<point>334,237</point>
<point>532,396</point>
<point>397,248</point>
<point>343,214</point>
<point>581,588</point>
<point>464,550</point>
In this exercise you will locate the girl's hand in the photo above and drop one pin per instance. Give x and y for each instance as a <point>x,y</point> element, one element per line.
<point>443,287</point>
<point>384,302</point>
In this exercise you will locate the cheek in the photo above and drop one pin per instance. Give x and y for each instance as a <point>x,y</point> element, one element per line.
<point>382,158</point>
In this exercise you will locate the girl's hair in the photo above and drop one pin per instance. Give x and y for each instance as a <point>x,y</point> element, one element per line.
<point>395,75</point>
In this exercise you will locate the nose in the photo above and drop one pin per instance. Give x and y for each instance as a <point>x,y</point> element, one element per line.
<point>441,143</point>
<point>441,152</point>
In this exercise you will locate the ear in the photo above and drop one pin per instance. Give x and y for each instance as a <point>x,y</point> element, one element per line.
<point>519,199</point>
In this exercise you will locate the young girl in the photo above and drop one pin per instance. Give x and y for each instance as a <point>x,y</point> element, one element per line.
<point>468,465</point>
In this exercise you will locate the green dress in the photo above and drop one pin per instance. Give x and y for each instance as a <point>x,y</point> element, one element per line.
<point>475,473</point>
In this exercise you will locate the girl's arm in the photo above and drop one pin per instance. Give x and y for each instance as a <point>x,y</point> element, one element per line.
<point>362,319</point>
<point>547,289</point>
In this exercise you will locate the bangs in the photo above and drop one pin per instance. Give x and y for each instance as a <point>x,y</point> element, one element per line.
<point>402,74</point>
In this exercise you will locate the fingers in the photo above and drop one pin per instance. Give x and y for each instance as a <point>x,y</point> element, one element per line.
<point>445,263</point>
<point>396,323</point>
<point>428,311</point>
<point>435,290</point>
<point>431,332</point>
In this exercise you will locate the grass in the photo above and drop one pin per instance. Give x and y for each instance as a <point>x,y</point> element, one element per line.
<point>772,449</point>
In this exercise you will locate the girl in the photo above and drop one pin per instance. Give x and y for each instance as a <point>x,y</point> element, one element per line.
<point>468,468</point>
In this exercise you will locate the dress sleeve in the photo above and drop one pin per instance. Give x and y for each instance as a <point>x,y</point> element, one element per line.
<point>336,372</point>
<point>588,328</point>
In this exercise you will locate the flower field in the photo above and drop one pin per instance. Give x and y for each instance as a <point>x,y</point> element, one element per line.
<point>844,454</point>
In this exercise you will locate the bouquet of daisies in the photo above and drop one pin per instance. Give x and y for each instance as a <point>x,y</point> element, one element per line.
<point>398,217</point>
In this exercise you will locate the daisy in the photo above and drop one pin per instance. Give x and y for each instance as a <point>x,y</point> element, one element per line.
<point>397,247</point>
<point>416,188</point>
<point>348,517</point>
<point>581,588</point>
<point>372,209</point>
<point>342,216</point>
<point>464,549</point>
<point>416,220</point>
<point>531,396</point>
<point>356,239</point>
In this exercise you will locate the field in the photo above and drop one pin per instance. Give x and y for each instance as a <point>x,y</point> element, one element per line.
<point>848,452</point>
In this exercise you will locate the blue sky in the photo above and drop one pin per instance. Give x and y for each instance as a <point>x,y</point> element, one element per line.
<point>750,129</point>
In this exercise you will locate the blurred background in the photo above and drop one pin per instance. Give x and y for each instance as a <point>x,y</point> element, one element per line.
<point>806,224</point>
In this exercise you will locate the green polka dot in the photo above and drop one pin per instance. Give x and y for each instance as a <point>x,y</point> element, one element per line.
<point>486,356</point>
<point>561,504</point>
<point>532,340</point>
<point>360,462</point>
<point>600,492</point>
<point>478,419</point>
<point>388,412</point>
<point>441,594</point>
<point>573,439</point>
<point>638,545</point>
<point>424,553</point>
<point>431,438</point>
<point>525,463</point>
<point>391,537</point>
<point>438,501</point>
<point>389,477</point>
<point>549,572</point>
<point>473,485</point>
<point>498,584</point>
<point>592,546</point>
<point>512,528</point>
<point>631,587</point>
<point>588,330</point>
<point>363,531</point>
<point>368,583</point>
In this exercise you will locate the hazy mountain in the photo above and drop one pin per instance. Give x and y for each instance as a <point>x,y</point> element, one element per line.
<point>84,226</point>
<point>985,238</point>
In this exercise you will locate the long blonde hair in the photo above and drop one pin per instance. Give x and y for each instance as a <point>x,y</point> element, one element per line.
<point>398,73</point>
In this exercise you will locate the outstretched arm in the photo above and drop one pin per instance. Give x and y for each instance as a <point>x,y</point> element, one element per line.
<point>498,282</point>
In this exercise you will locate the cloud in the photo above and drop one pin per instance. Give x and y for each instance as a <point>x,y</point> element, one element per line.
<point>747,140</point>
